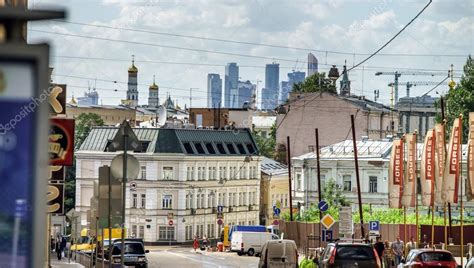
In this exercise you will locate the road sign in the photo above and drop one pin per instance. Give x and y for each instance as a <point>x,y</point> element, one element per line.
<point>220,209</point>
<point>170,222</point>
<point>278,204</point>
<point>326,235</point>
<point>220,222</point>
<point>345,222</point>
<point>133,186</point>
<point>323,206</point>
<point>276,211</point>
<point>374,227</point>
<point>327,221</point>
<point>118,142</point>
<point>220,215</point>
<point>276,222</point>
<point>170,215</point>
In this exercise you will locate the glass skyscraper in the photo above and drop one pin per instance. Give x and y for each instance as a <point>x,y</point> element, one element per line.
<point>214,91</point>
<point>231,88</point>
<point>270,92</point>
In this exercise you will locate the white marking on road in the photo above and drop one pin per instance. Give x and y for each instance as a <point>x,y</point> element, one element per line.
<point>192,259</point>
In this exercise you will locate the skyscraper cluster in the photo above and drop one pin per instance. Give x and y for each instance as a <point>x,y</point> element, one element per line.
<point>239,94</point>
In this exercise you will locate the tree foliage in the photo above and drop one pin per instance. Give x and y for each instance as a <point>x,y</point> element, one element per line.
<point>266,145</point>
<point>84,124</point>
<point>317,82</point>
<point>460,100</point>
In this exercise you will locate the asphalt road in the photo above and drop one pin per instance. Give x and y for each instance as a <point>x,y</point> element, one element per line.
<point>186,257</point>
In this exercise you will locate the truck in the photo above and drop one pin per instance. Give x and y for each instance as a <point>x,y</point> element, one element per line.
<point>250,243</point>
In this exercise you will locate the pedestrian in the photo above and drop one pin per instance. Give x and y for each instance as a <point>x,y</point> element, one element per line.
<point>379,247</point>
<point>58,248</point>
<point>195,243</point>
<point>425,241</point>
<point>388,255</point>
<point>397,248</point>
<point>204,242</point>
<point>63,244</point>
<point>411,245</point>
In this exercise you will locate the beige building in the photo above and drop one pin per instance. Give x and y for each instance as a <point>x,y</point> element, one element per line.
<point>273,189</point>
<point>186,172</point>
<point>331,114</point>
<point>111,114</point>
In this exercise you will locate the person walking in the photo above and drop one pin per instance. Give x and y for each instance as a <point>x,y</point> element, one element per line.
<point>58,248</point>
<point>397,248</point>
<point>195,243</point>
<point>379,248</point>
<point>388,256</point>
<point>411,245</point>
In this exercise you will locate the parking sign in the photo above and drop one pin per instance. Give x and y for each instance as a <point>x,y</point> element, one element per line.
<point>374,227</point>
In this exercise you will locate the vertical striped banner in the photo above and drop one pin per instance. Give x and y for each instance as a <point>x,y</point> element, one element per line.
<point>451,170</point>
<point>395,174</point>
<point>409,191</point>
<point>470,160</point>
<point>440,159</point>
<point>428,169</point>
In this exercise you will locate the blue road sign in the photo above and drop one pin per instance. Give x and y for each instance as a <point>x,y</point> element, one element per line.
<point>323,206</point>
<point>220,209</point>
<point>276,211</point>
<point>374,226</point>
<point>326,235</point>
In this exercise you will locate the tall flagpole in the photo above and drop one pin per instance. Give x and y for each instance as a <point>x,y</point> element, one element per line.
<point>461,196</point>
<point>444,147</point>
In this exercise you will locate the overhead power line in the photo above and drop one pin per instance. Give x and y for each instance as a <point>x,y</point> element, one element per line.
<point>391,39</point>
<point>253,43</point>
<point>210,64</point>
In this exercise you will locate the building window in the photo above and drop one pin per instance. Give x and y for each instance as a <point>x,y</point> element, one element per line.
<point>134,231</point>
<point>189,200</point>
<point>143,172</point>
<point>166,233</point>
<point>200,230</point>
<point>188,174</point>
<point>209,173</point>
<point>189,232</point>
<point>214,173</point>
<point>210,230</point>
<point>323,182</point>
<point>168,173</point>
<point>167,202</point>
<point>372,184</point>
<point>202,200</point>
<point>199,174</point>
<point>298,182</point>
<point>143,200</point>
<point>134,200</point>
<point>141,232</point>
<point>347,180</point>
<point>224,170</point>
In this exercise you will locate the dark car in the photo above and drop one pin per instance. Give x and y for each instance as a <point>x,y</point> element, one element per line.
<point>430,258</point>
<point>349,255</point>
<point>134,253</point>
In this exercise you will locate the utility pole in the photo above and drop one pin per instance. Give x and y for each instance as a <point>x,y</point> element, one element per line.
<point>319,181</point>
<point>288,157</point>
<point>124,185</point>
<point>356,162</point>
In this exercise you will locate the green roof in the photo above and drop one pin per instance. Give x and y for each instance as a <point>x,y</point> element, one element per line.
<point>180,141</point>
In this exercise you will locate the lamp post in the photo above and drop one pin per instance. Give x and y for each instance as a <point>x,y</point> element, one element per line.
<point>333,74</point>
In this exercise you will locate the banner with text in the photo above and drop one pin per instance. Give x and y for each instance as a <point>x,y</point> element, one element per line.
<point>440,159</point>
<point>395,174</point>
<point>428,169</point>
<point>470,160</point>
<point>409,189</point>
<point>451,175</point>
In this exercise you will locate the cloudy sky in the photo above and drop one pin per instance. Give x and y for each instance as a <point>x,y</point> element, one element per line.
<point>333,30</point>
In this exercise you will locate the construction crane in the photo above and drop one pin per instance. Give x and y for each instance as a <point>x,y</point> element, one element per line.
<point>397,74</point>
<point>408,85</point>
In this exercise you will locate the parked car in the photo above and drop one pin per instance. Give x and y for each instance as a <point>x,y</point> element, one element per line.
<point>430,258</point>
<point>349,255</point>
<point>281,253</point>
<point>134,253</point>
<point>249,243</point>
<point>470,263</point>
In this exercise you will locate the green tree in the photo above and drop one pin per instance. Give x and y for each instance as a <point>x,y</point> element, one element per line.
<point>84,124</point>
<point>266,145</point>
<point>460,100</point>
<point>317,82</point>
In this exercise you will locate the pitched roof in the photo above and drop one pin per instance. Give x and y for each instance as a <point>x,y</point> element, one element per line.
<point>180,141</point>
<point>272,167</point>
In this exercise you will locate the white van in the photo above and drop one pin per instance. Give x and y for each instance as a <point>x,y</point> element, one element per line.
<point>279,253</point>
<point>249,242</point>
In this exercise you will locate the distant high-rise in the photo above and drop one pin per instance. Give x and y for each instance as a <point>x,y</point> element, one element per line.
<point>246,92</point>
<point>153,95</point>
<point>91,97</point>
<point>312,64</point>
<point>132,91</point>
<point>270,92</point>
<point>231,95</point>
<point>287,86</point>
<point>214,90</point>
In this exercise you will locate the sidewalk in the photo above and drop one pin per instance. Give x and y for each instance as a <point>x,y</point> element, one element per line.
<point>63,263</point>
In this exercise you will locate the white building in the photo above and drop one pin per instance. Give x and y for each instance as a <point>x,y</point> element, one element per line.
<point>337,163</point>
<point>186,172</point>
